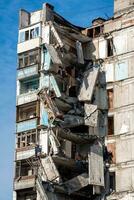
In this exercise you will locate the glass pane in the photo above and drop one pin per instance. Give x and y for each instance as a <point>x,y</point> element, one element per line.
<point>25,61</point>
<point>33,138</point>
<point>18,143</point>
<point>28,140</point>
<point>20,62</point>
<point>32,59</point>
<point>31,33</point>
<point>36,32</point>
<point>29,86</point>
<point>22,37</point>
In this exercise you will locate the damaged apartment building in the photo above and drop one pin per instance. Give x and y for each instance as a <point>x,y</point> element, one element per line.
<point>75,107</point>
<point>74,127</point>
<point>113,45</point>
<point>61,111</point>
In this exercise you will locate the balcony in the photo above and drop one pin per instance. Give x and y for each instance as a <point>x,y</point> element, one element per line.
<point>25,153</point>
<point>27,72</point>
<point>28,45</point>
<point>27,97</point>
<point>24,182</point>
<point>29,38</point>
<point>26,125</point>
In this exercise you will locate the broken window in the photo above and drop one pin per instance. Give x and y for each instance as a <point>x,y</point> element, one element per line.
<point>26,139</point>
<point>112,181</point>
<point>29,85</point>
<point>110,98</point>
<point>110,47</point>
<point>97,31</point>
<point>90,33</point>
<point>26,194</point>
<point>28,58</point>
<point>23,169</point>
<point>72,91</point>
<point>110,125</point>
<point>27,111</point>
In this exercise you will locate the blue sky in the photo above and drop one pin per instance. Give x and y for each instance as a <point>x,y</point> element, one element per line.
<point>79,12</point>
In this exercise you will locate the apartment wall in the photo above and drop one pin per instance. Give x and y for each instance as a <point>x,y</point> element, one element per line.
<point>118,64</point>
<point>119,70</point>
<point>121,6</point>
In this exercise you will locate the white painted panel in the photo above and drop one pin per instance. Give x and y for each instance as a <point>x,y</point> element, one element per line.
<point>26,98</point>
<point>50,169</point>
<point>121,94</point>
<point>44,141</point>
<point>123,179</point>
<point>122,122</point>
<point>124,149</point>
<point>109,68</point>
<point>120,44</point>
<point>35,17</point>
<point>96,169</point>
<point>14,195</point>
<point>88,84</point>
<point>130,38</point>
<point>27,72</point>
<point>121,70</point>
<point>102,49</point>
<point>23,184</point>
<point>45,34</point>
<point>28,45</point>
<point>25,154</point>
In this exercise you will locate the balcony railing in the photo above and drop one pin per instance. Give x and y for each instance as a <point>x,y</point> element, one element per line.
<point>24,153</point>
<point>27,71</point>
<point>27,97</point>
<point>24,182</point>
<point>26,125</point>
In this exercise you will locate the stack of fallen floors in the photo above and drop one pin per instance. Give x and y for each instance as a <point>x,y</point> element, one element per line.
<point>75,106</point>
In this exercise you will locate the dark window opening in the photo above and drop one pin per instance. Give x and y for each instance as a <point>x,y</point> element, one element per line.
<point>110,98</point>
<point>26,194</point>
<point>90,33</point>
<point>31,33</point>
<point>73,150</point>
<point>23,169</point>
<point>111,125</point>
<point>20,62</point>
<point>97,31</point>
<point>110,47</point>
<point>26,61</point>
<point>27,111</point>
<point>112,181</point>
<point>80,129</point>
<point>72,91</point>
<point>27,35</point>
